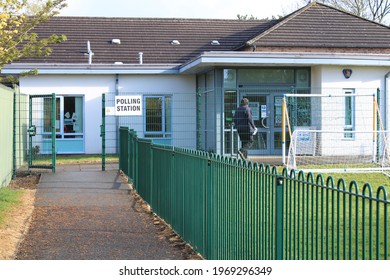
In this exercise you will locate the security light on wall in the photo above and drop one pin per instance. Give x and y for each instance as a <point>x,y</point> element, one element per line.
<point>347,73</point>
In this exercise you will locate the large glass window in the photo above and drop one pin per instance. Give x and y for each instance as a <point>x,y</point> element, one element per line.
<point>229,79</point>
<point>158,115</point>
<point>230,103</point>
<point>69,117</point>
<point>266,77</point>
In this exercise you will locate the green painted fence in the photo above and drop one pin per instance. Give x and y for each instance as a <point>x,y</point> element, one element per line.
<point>6,134</point>
<point>229,209</point>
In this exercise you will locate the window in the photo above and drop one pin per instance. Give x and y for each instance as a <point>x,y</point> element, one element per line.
<point>267,76</point>
<point>158,122</point>
<point>229,79</point>
<point>349,113</point>
<point>69,117</point>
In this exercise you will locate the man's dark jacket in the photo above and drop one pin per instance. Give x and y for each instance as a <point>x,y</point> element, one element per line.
<point>243,120</point>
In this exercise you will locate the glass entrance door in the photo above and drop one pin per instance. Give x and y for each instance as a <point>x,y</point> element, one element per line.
<point>261,113</point>
<point>267,115</point>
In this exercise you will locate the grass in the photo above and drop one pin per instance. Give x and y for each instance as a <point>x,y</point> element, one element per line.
<point>8,199</point>
<point>375,179</point>
<point>69,159</point>
<point>74,159</point>
<point>318,211</point>
<point>328,224</point>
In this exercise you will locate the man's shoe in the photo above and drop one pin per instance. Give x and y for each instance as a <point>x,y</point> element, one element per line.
<point>241,155</point>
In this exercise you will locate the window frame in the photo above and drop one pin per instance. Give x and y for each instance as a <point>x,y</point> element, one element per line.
<point>349,113</point>
<point>60,132</point>
<point>163,133</point>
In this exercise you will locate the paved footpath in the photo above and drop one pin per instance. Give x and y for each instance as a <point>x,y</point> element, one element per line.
<point>82,213</point>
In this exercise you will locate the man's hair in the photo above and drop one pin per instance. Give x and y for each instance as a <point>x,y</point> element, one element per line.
<point>244,101</point>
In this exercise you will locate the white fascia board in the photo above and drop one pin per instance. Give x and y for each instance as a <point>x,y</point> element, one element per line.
<point>80,69</point>
<point>286,59</point>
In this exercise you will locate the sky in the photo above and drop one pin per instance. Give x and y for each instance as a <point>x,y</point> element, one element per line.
<point>216,9</point>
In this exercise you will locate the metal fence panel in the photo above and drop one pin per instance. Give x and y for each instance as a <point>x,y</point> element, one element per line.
<point>330,220</point>
<point>21,112</point>
<point>6,131</point>
<point>228,209</point>
<point>42,131</point>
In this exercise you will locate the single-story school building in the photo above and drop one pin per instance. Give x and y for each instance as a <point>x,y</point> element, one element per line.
<point>178,81</point>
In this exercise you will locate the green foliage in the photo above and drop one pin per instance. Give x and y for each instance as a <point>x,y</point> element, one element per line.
<point>246,17</point>
<point>17,23</point>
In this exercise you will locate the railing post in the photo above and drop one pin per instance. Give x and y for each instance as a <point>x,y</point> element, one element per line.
<point>284,108</point>
<point>103,132</point>
<point>53,132</point>
<point>130,159</point>
<point>14,137</point>
<point>279,231</point>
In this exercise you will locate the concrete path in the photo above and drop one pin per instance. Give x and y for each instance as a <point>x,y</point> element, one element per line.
<point>83,213</point>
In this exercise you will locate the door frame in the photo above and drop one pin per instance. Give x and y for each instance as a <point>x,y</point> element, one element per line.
<point>272,113</point>
<point>63,139</point>
<point>264,124</point>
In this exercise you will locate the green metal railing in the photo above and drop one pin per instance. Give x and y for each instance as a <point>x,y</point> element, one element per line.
<point>333,221</point>
<point>229,209</point>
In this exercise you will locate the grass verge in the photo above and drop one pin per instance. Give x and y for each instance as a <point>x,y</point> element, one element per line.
<point>74,159</point>
<point>8,199</point>
<point>69,159</point>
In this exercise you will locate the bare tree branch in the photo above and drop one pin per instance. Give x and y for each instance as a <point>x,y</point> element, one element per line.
<point>375,10</point>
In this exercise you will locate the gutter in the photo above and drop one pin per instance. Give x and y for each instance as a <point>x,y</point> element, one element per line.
<point>96,69</point>
<point>245,59</point>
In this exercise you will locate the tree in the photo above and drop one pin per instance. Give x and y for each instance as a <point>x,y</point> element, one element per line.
<point>379,9</point>
<point>246,17</point>
<point>34,6</point>
<point>375,10</point>
<point>17,23</point>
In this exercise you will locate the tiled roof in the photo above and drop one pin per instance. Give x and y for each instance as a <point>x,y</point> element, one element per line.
<point>151,36</point>
<point>318,26</point>
<point>314,26</point>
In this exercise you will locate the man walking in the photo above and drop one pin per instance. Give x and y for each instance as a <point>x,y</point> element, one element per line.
<point>245,127</point>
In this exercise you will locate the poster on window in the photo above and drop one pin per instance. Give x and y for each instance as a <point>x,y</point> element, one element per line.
<point>255,108</point>
<point>128,105</point>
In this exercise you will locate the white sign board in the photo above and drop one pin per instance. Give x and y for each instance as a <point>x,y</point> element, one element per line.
<point>128,105</point>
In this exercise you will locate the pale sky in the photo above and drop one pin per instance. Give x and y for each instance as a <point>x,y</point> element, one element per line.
<point>218,9</point>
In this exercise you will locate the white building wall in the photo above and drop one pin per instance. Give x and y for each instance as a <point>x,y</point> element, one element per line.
<point>182,88</point>
<point>364,80</point>
<point>90,86</point>
<point>183,91</point>
<point>316,84</point>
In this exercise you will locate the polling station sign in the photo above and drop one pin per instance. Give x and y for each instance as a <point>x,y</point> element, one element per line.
<point>128,105</point>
